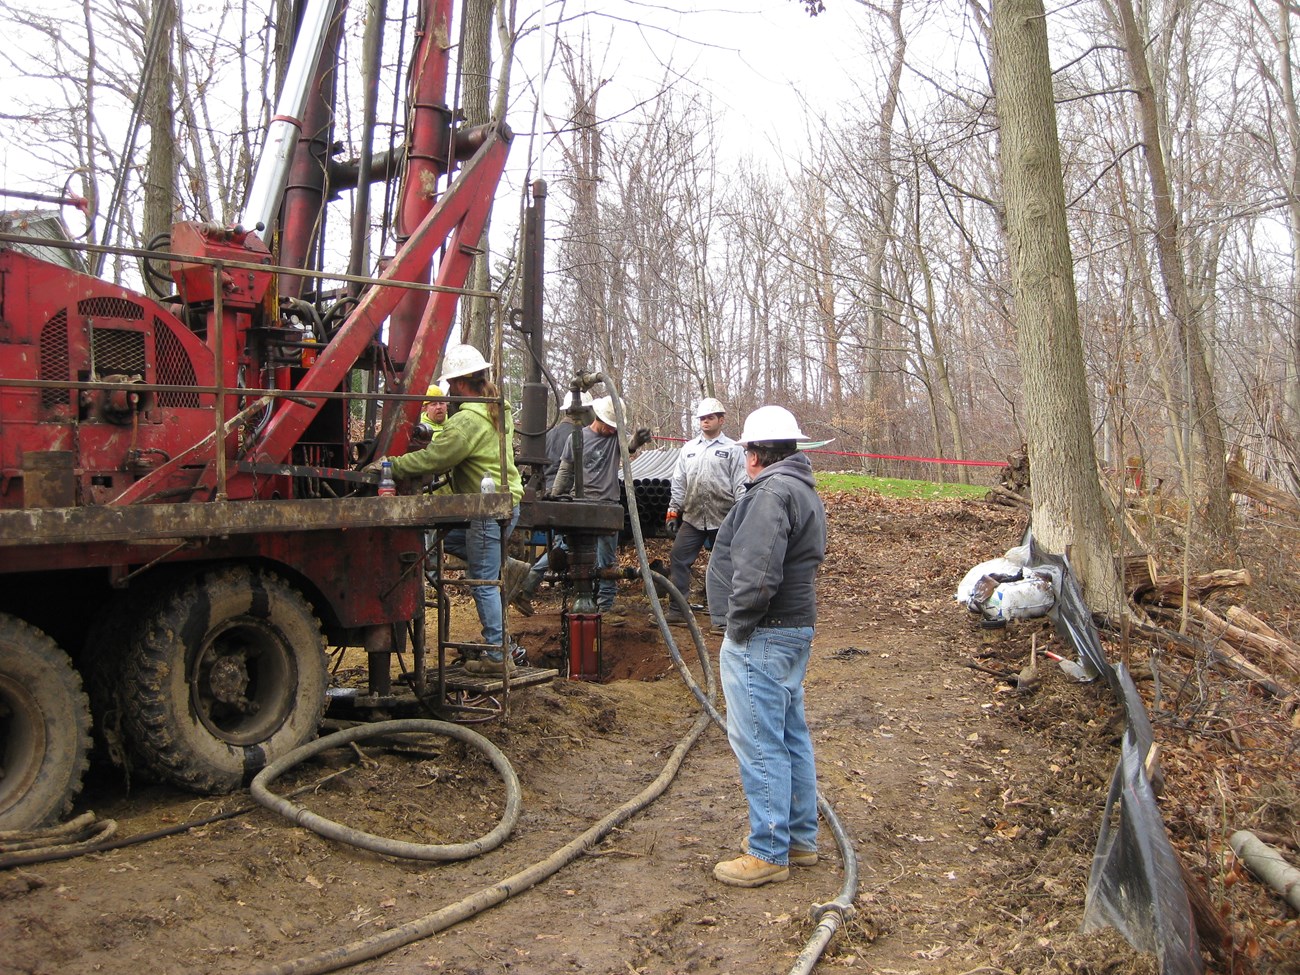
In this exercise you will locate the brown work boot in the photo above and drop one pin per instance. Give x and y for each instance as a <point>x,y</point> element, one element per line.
<point>750,871</point>
<point>513,575</point>
<point>522,603</point>
<point>488,665</point>
<point>514,586</point>
<point>612,617</point>
<point>799,857</point>
<point>674,617</point>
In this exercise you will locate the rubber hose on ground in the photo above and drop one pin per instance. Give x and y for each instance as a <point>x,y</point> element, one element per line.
<point>663,584</point>
<point>260,791</point>
<point>358,951</point>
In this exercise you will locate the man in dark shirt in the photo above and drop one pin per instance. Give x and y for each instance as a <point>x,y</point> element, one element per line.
<point>762,575</point>
<point>600,464</point>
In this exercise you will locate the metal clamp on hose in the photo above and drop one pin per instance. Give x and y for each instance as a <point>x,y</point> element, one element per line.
<point>846,911</point>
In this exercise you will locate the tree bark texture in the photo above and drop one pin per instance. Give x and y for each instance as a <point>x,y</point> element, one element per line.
<point>1208,485</point>
<point>1069,507</point>
<point>476,84</point>
<point>160,167</point>
<point>888,198</point>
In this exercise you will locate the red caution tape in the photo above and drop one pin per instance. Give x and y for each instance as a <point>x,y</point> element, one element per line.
<point>918,460</point>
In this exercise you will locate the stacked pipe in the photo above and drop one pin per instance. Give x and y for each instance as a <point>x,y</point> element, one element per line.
<point>652,496</point>
<point>652,474</point>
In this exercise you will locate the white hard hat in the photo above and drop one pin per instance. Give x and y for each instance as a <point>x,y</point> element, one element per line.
<point>771,423</point>
<point>604,408</point>
<point>461,360</point>
<point>584,400</point>
<point>708,406</point>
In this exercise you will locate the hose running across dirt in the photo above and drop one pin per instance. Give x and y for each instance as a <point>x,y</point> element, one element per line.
<point>829,916</point>
<point>833,913</point>
<point>260,790</point>
<point>486,897</point>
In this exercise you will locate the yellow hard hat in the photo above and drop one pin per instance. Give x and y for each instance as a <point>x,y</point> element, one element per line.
<point>434,391</point>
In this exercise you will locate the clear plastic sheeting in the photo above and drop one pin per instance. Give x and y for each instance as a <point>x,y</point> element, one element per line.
<point>1136,883</point>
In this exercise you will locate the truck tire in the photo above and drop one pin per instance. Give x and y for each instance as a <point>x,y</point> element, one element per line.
<point>44,728</point>
<point>226,672</point>
<point>102,660</point>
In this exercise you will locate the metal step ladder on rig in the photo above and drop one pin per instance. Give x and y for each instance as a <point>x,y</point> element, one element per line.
<point>467,696</point>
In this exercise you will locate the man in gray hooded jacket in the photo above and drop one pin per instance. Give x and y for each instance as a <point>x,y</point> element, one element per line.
<point>762,575</point>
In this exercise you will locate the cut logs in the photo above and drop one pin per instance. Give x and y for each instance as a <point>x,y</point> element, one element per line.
<point>1013,490</point>
<point>1268,865</point>
<point>1237,640</point>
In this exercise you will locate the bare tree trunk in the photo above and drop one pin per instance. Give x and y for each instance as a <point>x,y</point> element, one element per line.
<point>875,339</point>
<point>939,383</point>
<point>476,75</point>
<point>822,282</point>
<point>90,155</point>
<point>1070,512</point>
<point>1289,156</point>
<point>583,156</point>
<point>160,167</point>
<point>1209,489</point>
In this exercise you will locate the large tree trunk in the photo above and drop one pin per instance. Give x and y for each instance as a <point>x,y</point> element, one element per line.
<point>1208,488</point>
<point>160,167</point>
<point>1070,512</point>
<point>476,75</point>
<point>875,341</point>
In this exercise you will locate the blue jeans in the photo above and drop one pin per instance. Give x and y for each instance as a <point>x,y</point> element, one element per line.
<point>763,683</point>
<point>606,555</point>
<point>480,547</point>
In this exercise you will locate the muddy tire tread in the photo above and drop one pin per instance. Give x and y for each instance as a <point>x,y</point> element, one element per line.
<point>29,655</point>
<point>150,711</point>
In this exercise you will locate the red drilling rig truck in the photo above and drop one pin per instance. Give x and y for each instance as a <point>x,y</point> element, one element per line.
<point>185,526</point>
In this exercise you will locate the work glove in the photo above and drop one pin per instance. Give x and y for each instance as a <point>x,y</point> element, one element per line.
<point>642,437</point>
<point>672,521</point>
<point>421,436</point>
<point>374,466</point>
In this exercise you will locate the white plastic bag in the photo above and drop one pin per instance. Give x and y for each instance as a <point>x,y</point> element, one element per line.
<point>1000,570</point>
<point>1009,588</point>
<point>1020,600</point>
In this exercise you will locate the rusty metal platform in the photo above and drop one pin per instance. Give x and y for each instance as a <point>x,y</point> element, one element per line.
<point>102,523</point>
<point>458,679</point>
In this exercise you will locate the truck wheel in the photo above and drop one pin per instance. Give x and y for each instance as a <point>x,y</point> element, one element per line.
<point>103,657</point>
<point>44,728</point>
<point>226,672</point>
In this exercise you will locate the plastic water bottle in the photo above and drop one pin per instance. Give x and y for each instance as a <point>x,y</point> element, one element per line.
<point>487,485</point>
<point>387,486</point>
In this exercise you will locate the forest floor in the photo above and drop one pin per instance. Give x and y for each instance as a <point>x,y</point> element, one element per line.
<point>973,808</point>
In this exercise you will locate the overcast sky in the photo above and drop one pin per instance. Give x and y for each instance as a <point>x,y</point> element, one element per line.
<point>760,62</point>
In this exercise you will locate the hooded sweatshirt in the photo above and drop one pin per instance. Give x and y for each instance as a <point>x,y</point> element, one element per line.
<point>469,447</point>
<point>765,559</point>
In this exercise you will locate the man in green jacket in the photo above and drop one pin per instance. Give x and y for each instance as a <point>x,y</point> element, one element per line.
<point>469,449</point>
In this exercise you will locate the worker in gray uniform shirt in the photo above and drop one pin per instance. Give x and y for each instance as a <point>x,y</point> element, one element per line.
<point>708,479</point>
<point>600,465</point>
